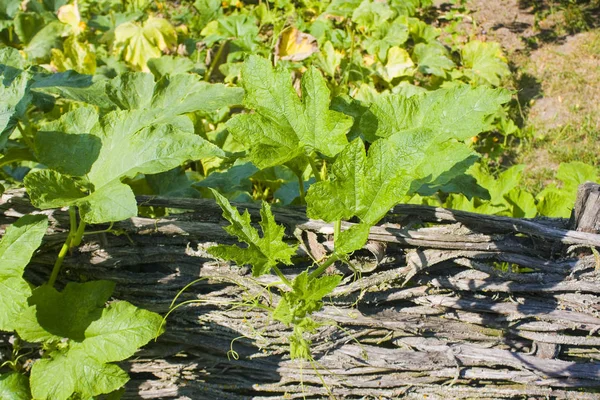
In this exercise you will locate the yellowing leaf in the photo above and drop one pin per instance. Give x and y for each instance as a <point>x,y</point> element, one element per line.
<point>75,55</point>
<point>294,45</point>
<point>398,64</point>
<point>69,14</point>
<point>138,44</point>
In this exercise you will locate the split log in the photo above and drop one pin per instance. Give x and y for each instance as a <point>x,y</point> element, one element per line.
<point>473,307</point>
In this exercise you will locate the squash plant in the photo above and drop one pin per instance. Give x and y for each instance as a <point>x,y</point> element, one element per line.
<point>130,125</point>
<point>413,143</point>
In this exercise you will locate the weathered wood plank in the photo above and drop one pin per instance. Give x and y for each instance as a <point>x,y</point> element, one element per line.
<point>477,307</point>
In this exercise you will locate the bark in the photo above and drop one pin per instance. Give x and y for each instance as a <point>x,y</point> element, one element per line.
<point>472,307</point>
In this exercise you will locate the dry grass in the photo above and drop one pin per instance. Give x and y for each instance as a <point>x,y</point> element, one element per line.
<point>565,120</point>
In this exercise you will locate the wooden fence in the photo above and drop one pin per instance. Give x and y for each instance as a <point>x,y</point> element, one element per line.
<point>449,304</point>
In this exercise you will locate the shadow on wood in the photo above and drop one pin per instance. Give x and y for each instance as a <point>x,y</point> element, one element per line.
<point>456,305</point>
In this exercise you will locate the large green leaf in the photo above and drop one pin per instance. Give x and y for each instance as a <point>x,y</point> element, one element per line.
<point>16,248</point>
<point>433,58</point>
<point>262,253</point>
<point>49,37</point>
<point>368,186</point>
<point>416,142</point>
<point>14,386</point>
<point>127,150</point>
<point>284,126</point>
<point>484,61</point>
<point>88,337</point>
<point>174,95</point>
<point>14,99</point>
<point>149,136</point>
<point>459,112</point>
<point>114,201</point>
<point>27,24</point>
<point>557,202</point>
<point>504,196</point>
<point>78,149</point>
<point>51,189</point>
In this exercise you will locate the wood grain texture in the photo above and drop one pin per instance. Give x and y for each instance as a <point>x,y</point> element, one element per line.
<point>459,306</point>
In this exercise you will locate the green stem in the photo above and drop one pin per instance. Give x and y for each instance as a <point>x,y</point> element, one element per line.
<point>337,228</point>
<point>301,188</point>
<point>215,61</point>
<point>72,220</point>
<point>315,169</point>
<point>282,277</point>
<point>109,229</point>
<point>25,136</point>
<point>78,236</point>
<point>59,260</point>
<point>319,271</point>
<point>73,239</point>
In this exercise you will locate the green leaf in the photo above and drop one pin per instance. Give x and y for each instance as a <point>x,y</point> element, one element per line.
<point>459,112</point>
<point>16,249</point>
<point>15,97</point>
<point>112,202</point>
<point>131,91</point>
<point>461,183</point>
<point>352,107</point>
<point>433,58</point>
<point>208,10</point>
<point>305,297</point>
<point>262,253</point>
<point>522,203</point>
<point>343,8</point>
<point>371,14</point>
<point>352,239</point>
<point>505,197</point>
<point>57,378</point>
<point>386,35</point>
<point>170,65</point>
<point>236,178</point>
<point>284,126</point>
<point>484,60</point>
<point>368,186</point>
<point>8,8</point>
<point>576,173</point>
<point>150,139</point>
<point>173,183</point>
<point>78,149</point>
<point>52,317</point>
<point>180,94</point>
<point>555,202</point>
<point>14,386</point>
<point>27,24</point>
<point>421,31</point>
<point>329,59</point>
<point>50,189</point>
<point>49,37</point>
<point>127,151</point>
<point>174,95</point>
<point>499,187</point>
<point>87,337</point>
<point>11,58</point>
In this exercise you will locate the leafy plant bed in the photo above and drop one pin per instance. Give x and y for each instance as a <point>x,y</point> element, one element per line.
<point>449,304</point>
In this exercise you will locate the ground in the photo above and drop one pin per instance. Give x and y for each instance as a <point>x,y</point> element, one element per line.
<point>557,76</point>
